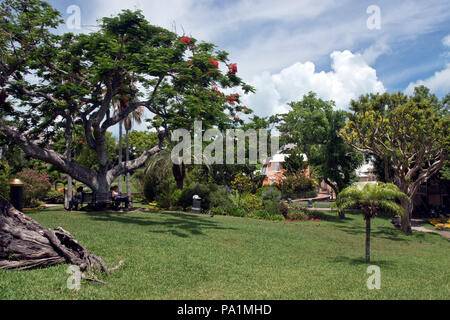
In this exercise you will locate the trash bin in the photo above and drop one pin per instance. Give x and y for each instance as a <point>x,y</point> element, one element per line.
<point>16,193</point>
<point>310,204</point>
<point>196,204</point>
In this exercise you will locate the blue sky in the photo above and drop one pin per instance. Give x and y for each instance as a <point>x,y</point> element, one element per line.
<point>287,48</point>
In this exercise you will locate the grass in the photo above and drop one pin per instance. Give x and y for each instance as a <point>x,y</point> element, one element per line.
<point>184,256</point>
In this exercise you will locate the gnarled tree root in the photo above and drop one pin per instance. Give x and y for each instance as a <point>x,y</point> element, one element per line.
<point>25,244</point>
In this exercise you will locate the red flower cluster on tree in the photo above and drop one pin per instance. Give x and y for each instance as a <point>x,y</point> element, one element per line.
<point>155,118</point>
<point>186,40</point>
<point>214,89</point>
<point>232,68</point>
<point>214,62</point>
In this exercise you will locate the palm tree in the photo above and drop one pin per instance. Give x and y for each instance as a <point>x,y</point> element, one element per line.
<point>372,199</point>
<point>119,105</point>
<point>135,116</point>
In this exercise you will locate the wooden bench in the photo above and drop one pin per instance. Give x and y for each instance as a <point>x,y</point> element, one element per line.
<point>99,200</point>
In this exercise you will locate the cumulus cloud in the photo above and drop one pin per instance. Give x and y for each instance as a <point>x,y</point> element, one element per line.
<point>438,83</point>
<point>350,77</point>
<point>446,41</point>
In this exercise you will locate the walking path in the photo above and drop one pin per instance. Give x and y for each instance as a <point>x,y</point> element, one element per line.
<point>417,227</point>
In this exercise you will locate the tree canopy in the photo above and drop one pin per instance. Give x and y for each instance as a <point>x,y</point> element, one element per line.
<point>412,133</point>
<point>55,82</point>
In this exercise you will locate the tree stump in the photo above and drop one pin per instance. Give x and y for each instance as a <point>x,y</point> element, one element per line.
<point>25,244</point>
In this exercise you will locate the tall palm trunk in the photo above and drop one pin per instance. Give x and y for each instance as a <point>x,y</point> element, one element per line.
<point>368,240</point>
<point>120,154</point>
<point>127,158</point>
<point>68,136</point>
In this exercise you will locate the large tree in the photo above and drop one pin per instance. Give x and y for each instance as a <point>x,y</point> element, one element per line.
<point>313,125</point>
<point>59,81</point>
<point>410,134</point>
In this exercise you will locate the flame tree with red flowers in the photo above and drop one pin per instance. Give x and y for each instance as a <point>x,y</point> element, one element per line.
<point>79,77</point>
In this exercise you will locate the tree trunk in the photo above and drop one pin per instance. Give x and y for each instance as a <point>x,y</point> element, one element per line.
<point>179,173</point>
<point>127,158</point>
<point>368,240</point>
<point>25,244</point>
<point>68,136</point>
<point>120,154</point>
<point>406,219</point>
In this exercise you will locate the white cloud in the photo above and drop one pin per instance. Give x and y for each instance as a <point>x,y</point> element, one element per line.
<point>446,41</point>
<point>350,77</point>
<point>438,83</point>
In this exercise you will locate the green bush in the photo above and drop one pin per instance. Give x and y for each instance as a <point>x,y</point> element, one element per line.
<point>237,212</point>
<point>220,197</point>
<point>298,187</point>
<point>54,197</point>
<point>270,194</point>
<point>297,212</point>
<point>4,180</point>
<point>203,191</point>
<point>272,206</point>
<point>250,202</point>
<point>265,215</point>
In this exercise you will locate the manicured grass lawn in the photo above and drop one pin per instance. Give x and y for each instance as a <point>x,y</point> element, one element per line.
<point>184,256</point>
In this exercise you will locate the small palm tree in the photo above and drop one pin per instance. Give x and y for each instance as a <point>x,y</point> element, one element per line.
<point>135,116</point>
<point>371,199</point>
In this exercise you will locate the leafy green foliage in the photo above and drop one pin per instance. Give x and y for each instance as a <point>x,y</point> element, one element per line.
<point>4,180</point>
<point>265,215</point>
<point>201,190</point>
<point>313,124</point>
<point>298,186</point>
<point>372,199</point>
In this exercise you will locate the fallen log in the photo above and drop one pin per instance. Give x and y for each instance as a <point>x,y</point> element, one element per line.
<point>25,244</point>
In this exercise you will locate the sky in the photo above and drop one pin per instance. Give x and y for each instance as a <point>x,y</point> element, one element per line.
<point>286,48</point>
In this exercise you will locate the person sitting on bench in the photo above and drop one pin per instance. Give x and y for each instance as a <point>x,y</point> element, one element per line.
<point>117,198</point>
<point>77,199</point>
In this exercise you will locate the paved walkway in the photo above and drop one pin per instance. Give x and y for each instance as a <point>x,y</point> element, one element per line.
<point>417,227</point>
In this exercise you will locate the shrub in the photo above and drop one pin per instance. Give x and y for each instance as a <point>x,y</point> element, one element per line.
<point>284,210</point>
<point>250,202</point>
<point>4,180</point>
<point>36,186</point>
<point>271,194</point>
<point>237,212</point>
<point>242,183</point>
<point>297,212</point>
<point>220,197</point>
<point>54,197</point>
<point>297,186</point>
<point>272,206</point>
<point>188,193</point>
<point>265,215</point>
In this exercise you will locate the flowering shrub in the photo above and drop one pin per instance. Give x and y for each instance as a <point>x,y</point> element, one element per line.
<point>36,186</point>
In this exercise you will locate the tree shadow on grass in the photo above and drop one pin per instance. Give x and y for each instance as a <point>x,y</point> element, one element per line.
<point>178,224</point>
<point>377,232</point>
<point>362,261</point>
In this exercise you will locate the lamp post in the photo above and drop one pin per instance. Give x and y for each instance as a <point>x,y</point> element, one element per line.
<point>16,193</point>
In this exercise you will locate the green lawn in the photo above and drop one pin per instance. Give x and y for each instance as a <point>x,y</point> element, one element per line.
<point>184,256</point>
